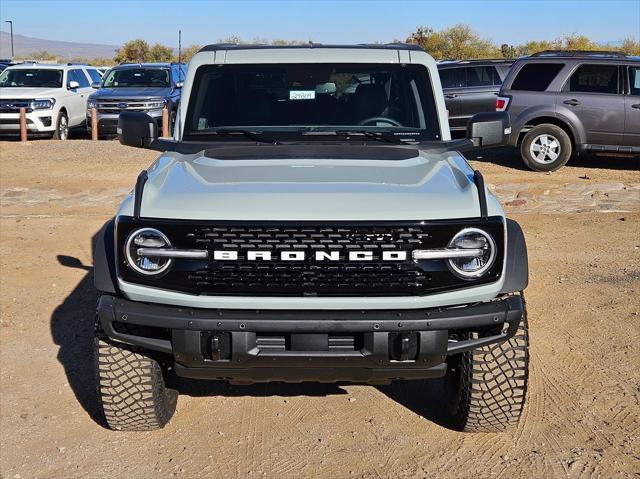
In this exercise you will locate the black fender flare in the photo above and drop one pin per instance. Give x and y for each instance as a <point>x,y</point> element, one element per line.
<point>105,278</point>
<point>516,269</point>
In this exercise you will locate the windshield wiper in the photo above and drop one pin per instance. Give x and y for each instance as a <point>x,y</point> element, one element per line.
<point>252,135</point>
<point>385,137</point>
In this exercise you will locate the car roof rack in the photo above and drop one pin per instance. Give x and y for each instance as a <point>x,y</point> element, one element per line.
<point>476,60</point>
<point>373,46</point>
<point>579,53</point>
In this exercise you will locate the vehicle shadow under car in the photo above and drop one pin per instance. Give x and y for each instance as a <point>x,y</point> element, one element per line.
<point>72,329</point>
<point>509,157</point>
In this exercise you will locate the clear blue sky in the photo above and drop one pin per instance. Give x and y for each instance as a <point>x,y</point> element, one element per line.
<point>329,21</point>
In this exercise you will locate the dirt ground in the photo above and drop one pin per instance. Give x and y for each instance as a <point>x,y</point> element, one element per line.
<point>582,417</point>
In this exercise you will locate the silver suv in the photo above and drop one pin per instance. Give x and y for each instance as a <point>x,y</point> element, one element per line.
<point>311,220</point>
<point>566,101</point>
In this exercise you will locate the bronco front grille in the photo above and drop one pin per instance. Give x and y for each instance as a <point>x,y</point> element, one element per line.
<point>309,277</point>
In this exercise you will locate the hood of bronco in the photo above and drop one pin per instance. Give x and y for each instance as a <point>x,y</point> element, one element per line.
<point>310,183</point>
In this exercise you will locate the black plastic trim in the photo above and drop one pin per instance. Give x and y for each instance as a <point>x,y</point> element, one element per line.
<point>517,267</point>
<point>104,260</point>
<point>482,195</point>
<point>139,189</point>
<point>234,46</point>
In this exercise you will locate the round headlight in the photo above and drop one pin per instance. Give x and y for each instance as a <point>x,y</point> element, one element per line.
<point>477,265</point>
<point>147,238</point>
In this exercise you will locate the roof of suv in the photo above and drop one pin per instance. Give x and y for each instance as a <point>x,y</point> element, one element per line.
<point>485,61</point>
<point>374,46</point>
<point>47,66</point>
<point>145,65</point>
<point>579,55</point>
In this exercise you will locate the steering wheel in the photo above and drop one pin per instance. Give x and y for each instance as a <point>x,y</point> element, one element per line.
<point>371,121</point>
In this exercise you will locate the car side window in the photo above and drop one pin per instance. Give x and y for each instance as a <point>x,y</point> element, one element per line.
<point>634,80</point>
<point>452,77</point>
<point>480,76</point>
<point>95,76</point>
<point>536,76</point>
<point>79,76</point>
<point>595,79</point>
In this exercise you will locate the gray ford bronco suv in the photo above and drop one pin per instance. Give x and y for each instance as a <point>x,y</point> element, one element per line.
<point>311,220</point>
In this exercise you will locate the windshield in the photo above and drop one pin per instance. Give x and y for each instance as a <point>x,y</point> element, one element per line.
<point>304,98</point>
<point>137,77</point>
<point>32,77</point>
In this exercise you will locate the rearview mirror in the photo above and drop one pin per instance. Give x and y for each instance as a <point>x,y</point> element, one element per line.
<point>96,85</point>
<point>73,85</point>
<point>136,129</point>
<point>489,129</point>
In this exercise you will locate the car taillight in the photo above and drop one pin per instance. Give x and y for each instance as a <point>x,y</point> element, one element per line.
<point>502,103</point>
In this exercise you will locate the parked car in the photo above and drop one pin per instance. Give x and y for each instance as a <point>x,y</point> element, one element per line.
<point>55,98</point>
<point>147,87</point>
<point>566,101</point>
<point>294,232</point>
<point>470,87</point>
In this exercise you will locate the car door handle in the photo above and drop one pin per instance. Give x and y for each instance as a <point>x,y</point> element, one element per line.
<point>636,106</point>
<point>451,96</point>
<point>571,102</point>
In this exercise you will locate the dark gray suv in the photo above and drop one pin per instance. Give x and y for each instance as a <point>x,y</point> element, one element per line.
<point>470,87</point>
<point>566,101</point>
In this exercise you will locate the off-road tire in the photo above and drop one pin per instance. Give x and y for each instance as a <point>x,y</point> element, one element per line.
<point>57,135</point>
<point>486,387</point>
<point>131,387</point>
<point>557,133</point>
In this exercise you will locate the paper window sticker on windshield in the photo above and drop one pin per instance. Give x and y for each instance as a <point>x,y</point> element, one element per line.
<point>302,95</point>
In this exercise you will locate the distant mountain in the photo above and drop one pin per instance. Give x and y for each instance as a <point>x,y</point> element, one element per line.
<point>26,45</point>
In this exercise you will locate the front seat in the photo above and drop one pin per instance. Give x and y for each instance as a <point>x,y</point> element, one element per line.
<point>368,100</point>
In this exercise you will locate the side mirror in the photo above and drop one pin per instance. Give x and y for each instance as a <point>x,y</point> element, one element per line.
<point>73,85</point>
<point>179,84</point>
<point>96,85</point>
<point>136,129</point>
<point>489,129</point>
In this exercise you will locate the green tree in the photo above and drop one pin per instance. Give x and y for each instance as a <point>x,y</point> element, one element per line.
<point>160,53</point>
<point>454,43</point>
<point>233,39</point>
<point>630,46</point>
<point>134,51</point>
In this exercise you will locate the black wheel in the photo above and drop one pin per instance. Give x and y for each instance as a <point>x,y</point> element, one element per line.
<point>546,147</point>
<point>486,387</point>
<point>62,127</point>
<point>131,387</point>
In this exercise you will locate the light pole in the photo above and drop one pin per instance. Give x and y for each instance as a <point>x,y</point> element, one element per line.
<point>10,22</point>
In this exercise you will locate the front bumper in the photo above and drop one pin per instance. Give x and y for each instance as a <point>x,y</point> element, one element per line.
<point>38,121</point>
<point>368,346</point>
<point>108,122</point>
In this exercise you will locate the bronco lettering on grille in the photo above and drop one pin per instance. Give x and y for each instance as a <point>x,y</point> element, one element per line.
<point>317,256</point>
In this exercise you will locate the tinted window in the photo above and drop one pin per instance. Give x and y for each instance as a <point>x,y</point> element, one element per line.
<point>137,77</point>
<point>79,76</point>
<point>295,97</point>
<point>95,76</point>
<point>634,80</point>
<point>31,77</point>
<point>595,79</point>
<point>452,77</point>
<point>536,76</point>
<point>480,76</point>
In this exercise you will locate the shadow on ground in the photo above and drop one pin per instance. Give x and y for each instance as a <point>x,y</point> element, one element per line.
<point>72,329</point>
